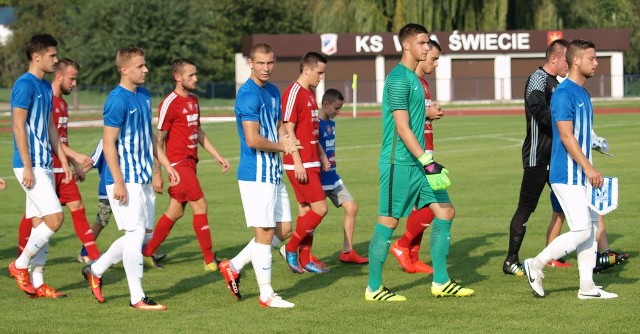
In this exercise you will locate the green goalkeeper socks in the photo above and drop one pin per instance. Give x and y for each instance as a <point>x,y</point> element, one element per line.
<point>378,251</point>
<point>440,243</point>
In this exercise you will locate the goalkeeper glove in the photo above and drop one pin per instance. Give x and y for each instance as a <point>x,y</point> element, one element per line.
<point>435,173</point>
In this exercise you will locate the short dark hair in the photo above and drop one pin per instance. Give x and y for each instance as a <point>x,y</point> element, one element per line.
<point>63,63</point>
<point>332,95</point>
<point>556,46</point>
<point>261,48</point>
<point>411,29</point>
<point>39,43</point>
<point>177,64</point>
<point>311,59</point>
<point>434,44</point>
<point>576,47</point>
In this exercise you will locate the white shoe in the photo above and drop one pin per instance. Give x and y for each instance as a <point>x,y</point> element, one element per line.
<point>283,252</point>
<point>534,277</point>
<point>83,259</point>
<point>596,293</point>
<point>275,301</point>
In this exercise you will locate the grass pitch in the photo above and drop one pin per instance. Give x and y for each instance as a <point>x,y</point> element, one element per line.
<point>483,155</point>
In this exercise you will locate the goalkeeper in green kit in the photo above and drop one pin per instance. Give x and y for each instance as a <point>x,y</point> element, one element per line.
<point>408,176</point>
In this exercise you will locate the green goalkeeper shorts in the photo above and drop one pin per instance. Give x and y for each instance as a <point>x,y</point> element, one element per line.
<point>404,186</point>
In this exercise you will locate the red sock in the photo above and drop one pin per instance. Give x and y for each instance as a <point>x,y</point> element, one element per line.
<point>416,224</point>
<point>305,250</point>
<point>84,233</point>
<point>305,225</point>
<point>203,234</point>
<point>24,231</point>
<point>160,233</point>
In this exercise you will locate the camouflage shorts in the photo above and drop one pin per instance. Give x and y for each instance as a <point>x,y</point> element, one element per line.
<point>104,212</point>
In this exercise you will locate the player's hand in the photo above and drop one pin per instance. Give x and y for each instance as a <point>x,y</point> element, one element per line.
<point>594,177</point>
<point>68,174</point>
<point>3,185</point>
<point>83,160</point>
<point>157,183</point>
<point>289,145</point>
<point>434,112</point>
<point>223,163</point>
<point>80,173</point>
<point>300,173</point>
<point>174,177</point>
<point>435,173</point>
<point>326,164</point>
<point>120,193</point>
<point>28,180</point>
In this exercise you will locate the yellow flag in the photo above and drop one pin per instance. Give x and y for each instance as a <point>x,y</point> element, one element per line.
<point>354,84</point>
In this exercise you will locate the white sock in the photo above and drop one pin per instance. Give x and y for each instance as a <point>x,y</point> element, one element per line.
<point>275,242</point>
<point>132,262</point>
<point>39,238</point>
<point>261,259</point>
<point>112,256</point>
<point>244,257</point>
<point>37,266</point>
<point>586,262</point>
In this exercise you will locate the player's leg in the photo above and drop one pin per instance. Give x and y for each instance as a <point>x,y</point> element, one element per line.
<point>406,249</point>
<point>313,208</point>
<point>175,210</point>
<point>533,182</point>
<point>41,201</point>
<point>397,192</point>
<point>555,229</point>
<point>606,258</point>
<point>102,219</point>
<point>203,233</point>
<point>341,197</point>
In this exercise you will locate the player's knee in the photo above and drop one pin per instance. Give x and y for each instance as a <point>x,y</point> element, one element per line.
<point>350,208</point>
<point>582,236</point>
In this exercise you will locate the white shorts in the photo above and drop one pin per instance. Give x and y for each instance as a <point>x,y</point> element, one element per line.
<point>265,204</point>
<point>573,200</point>
<point>42,199</point>
<point>140,209</point>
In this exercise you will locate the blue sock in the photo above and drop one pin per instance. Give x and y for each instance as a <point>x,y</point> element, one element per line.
<point>83,252</point>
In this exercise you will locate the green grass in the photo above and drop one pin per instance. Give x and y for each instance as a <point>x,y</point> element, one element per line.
<point>483,155</point>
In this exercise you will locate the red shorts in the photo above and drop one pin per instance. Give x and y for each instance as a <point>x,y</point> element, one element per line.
<point>311,191</point>
<point>188,190</point>
<point>67,192</point>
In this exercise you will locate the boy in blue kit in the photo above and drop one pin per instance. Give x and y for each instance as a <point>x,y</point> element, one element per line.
<point>332,184</point>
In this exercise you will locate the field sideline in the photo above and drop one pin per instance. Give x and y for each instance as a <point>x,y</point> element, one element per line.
<point>483,155</point>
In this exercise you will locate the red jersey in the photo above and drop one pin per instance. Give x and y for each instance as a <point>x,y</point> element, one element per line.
<point>428,127</point>
<point>180,117</point>
<point>299,107</point>
<point>60,119</point>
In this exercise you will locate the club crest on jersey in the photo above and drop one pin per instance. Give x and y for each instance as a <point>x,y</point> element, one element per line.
<point>329,130</point>
<point>329,44</point>
<point>190,106</point>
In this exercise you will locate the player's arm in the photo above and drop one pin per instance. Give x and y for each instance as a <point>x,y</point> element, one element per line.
<point>298,167</point>
<point>20,135</point>
<point>256,141</point>
<point>158,152</point>
<point>434,111</point>
<point>79,161</point>
<point>57,148</point>
<point>324,160</point>
<point>156,178</point>
<point>540,111</point>
<point>565,129</point>
<point>109,138</point>
<point>401,118</point>
<point>204,141</point>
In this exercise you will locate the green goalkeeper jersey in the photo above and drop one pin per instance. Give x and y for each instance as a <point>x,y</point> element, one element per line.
<point>402,91</point>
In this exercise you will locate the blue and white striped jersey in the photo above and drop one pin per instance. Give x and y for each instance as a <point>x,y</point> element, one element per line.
<point>131,112</point>
<point>34,95</point>
<point>262,105</point>
<point>570,102</point>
